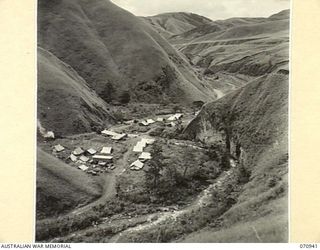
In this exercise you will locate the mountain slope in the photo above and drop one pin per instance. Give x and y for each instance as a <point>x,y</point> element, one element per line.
<point>117,53</point>
<point>65,103</point>
<point>61,187</point>
<point>175,23</point>
<point>249,46</point>
<point>253,123</point>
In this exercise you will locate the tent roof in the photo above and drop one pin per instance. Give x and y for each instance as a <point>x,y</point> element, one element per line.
<point>83,167</point>
<point>58,148</point>
<point>78,151</point>
<point>91,151</point>
<point>145,156</point>
<point>106,150</point>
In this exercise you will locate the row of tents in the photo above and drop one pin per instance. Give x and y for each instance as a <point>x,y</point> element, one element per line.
<point>144,156</point>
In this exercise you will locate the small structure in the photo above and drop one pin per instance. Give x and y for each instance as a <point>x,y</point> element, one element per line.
<point>84,158</point>
<point>102,163</point>
<point>73,158</point>
<point>108,133</point>
<point>106,150</point>
<point>160,119</point>
<point>175,117</point>
<point>78,151</point>
<point>102,157</point>
<point>145,156</point>
<point>144,123</point>
<point>137,165</point>
<point>147,141</point>
<point>150,121</point>
<point>132,135</point>
<point>138,148</point>
<point>58,148</point>
<point>49,135</point>
<point>92,151</point>
<point>128,122</point>
<point>118,137</point>
<point>83,167</point>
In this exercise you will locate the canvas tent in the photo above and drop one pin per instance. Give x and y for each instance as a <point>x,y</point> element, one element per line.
<point>49,134</point>
<point>108,132</point>
<point>138,148</point>
<point>144,123</point>
<point>73,158</point>
<point>84,158</point>
<point>106,150</point>
<point>58,148</point>
<point>118,137</point>
<point>175,117</point>
<point>83,167</point>
<point>137,165</point>
<point>102,157</point>
<point>150,121</point>
<point>160,119</point>
<point>92,151</point>
<point>78,151</point>
<point>145,156</point>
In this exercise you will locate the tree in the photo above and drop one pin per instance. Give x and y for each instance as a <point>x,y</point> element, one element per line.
<point>155,166</point>
<point>125,97</point>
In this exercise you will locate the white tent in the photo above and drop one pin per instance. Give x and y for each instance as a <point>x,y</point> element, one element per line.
<point>102,163</point>
<point>73,158</point>
<point>49,134</point>
<point>144,123</point>
<point>150,121</point>
<point>160,119</point>
<point>102,157</point>
<point>138,147</point>
<point>83,167</point>
<point>84,158</point>
<point>106,150</point>
<point>58,148</point>
<point>147,141</point>
<point>92,151</point>
<point>132,135</point>
<point>109,133</point>
<point>145,156</point>
<point>78,151</point>
<point>175,117</point>
<point>118,137</point>
<point>137,165</point>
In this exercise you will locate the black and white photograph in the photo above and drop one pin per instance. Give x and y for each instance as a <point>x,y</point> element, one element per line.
<point>162,121</point>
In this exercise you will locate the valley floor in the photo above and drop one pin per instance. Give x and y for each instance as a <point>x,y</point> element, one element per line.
<point>189,207</point>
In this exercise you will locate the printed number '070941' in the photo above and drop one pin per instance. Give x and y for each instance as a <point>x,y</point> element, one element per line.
<point>308,245</point>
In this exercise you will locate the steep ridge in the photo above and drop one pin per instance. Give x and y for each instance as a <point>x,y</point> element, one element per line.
<point>117,54</point>
<point>61,188</point>
<point>253,123</point>
<point>249,46</point>
<point>66,105</point>
<point>175,23</point>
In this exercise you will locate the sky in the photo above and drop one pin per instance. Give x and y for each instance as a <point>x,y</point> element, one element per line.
<point>214,9</point>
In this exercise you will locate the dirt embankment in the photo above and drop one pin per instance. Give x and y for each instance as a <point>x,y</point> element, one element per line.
<point>253,124</point>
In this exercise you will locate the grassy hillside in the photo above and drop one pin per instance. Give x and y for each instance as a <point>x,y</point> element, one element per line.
<point>60,187</point>
<point>121,57</point>
<point>66,105</point>
<point>175,23</point>
<point>249,46</point>
<point>253,123</point>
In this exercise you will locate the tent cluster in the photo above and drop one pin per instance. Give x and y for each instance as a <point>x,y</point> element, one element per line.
<point>144,156</point>
<point>170,119</point>
<point>89,158</point>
